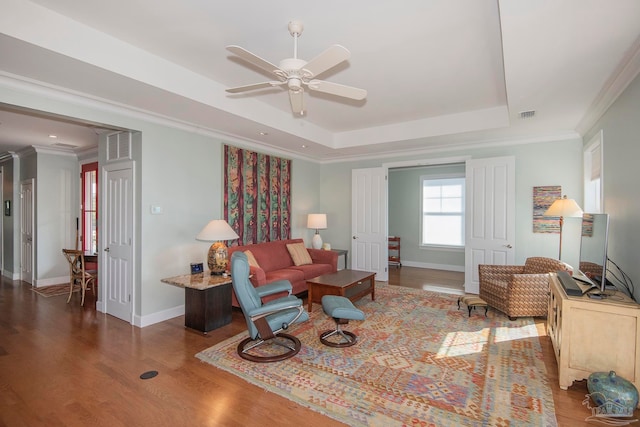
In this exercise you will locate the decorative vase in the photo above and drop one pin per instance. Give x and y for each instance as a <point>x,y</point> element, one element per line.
<point>613,393</point>
<point>217,260</point>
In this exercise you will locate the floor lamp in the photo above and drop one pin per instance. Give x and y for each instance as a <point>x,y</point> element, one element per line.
<point>563,208</point>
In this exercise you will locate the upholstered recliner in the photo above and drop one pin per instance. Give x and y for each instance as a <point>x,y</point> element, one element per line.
<point>265,322</point>
<point>519,290</point>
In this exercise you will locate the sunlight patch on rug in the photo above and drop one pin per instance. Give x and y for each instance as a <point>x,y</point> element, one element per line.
<point>419,361</point>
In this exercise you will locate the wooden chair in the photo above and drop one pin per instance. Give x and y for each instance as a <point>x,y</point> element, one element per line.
<point>78,273</point>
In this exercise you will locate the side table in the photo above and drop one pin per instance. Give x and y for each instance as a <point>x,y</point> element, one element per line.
<point>346,256</point>
<point>207,300</point>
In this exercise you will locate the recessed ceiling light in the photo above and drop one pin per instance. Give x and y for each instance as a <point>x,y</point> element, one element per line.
<point>53,136</point>
<point>304,146</point>
<point>264,133</point>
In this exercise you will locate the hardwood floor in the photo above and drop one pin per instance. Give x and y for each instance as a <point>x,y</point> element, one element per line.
<point>66,365</point>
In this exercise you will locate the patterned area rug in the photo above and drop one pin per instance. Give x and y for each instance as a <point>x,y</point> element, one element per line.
<point>419,362</point>
<point>54,290</point>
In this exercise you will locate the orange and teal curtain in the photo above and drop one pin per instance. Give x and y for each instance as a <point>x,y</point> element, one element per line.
<point>257,195</point>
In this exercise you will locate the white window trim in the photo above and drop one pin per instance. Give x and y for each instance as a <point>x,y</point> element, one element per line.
<point>435,177</point>
<point>594,149</point>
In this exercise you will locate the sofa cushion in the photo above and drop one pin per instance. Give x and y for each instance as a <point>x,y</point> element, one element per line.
<point>285,274</point>
<point>299,254</point>
<point>251,259</point>
<point>313,270</point>
<point>270,255</point>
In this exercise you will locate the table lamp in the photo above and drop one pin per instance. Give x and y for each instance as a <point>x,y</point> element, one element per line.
<point>319,222</point>
<point>217,231</point>
<point>563,208</point>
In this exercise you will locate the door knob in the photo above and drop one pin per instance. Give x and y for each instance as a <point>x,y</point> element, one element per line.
<point>508,246</point>
<point>354,237</point>
<point>106,249</point>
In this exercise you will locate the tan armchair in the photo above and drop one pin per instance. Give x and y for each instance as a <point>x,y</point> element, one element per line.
<point>519,290</point>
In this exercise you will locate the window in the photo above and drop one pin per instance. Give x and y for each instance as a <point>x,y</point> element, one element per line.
<point>90,207</point>
<point>593,175</point>
<point>442,211</point>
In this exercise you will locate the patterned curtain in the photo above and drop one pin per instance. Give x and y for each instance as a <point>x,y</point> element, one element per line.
<point>257,195</point>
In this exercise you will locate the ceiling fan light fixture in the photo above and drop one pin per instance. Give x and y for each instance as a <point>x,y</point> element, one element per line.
<point>297,73</point>
<point>295,84</point>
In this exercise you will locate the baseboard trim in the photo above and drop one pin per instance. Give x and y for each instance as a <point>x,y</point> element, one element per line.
<point>445,267</point>
<point>51,281</point>
<point>443,289</point>
<point>10,275</point>
<point>160,316</point>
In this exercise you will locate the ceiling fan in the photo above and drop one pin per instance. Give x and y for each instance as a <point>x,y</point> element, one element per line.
<point>297,73</point>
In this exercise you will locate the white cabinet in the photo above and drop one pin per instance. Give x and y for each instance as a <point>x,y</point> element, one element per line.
<point>593,335</point>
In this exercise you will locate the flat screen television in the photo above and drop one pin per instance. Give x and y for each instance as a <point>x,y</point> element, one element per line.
<point>593,250</point>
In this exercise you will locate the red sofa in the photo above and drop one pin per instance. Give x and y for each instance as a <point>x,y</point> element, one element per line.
<point>276,264</point>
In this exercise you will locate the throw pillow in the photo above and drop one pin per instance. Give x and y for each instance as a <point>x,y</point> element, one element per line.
<point>252,259</point>
<point>299,254</point>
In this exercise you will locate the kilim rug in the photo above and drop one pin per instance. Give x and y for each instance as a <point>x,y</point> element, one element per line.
<point>54,290</point>
<point>419,362</point>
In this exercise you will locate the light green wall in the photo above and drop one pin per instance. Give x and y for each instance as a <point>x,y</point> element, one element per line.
<point>621,176</point>
<point>180,170</point>
<point>405,191</point>
<point>545,163</point>
<point>56,200</point>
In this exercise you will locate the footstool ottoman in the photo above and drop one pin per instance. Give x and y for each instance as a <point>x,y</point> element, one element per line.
<point>341,310</point>
<point>473,301</point>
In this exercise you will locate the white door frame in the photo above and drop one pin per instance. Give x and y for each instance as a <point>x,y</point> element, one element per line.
<point>2,269</point>
<point>31,211</point>
<point>103,243</point>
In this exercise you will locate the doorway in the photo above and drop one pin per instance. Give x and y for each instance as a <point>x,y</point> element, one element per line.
<point>489,211</point>
<point>89,214</point>
<point>426,214</point>
<point>27,245</point>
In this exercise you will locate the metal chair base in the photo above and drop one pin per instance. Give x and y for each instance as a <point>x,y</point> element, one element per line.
<point>348,338</point>
<point>292,344</point>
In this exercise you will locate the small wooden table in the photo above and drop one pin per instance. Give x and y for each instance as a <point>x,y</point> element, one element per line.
<point>352,284</point>
<point>344,252</point>
<point>207,300</point>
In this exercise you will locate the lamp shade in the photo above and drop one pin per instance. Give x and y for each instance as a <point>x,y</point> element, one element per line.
<point>564,207</point>
<point>216,230</point>
<point>317,221</point>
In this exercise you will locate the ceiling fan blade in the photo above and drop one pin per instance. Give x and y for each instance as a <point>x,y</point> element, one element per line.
<point>253,59</point>
<point>328,59</point>
<point>338,89</point>
<point>297,101</point>
<point>254,87</point>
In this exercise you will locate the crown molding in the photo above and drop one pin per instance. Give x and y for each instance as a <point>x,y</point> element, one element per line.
<point>467,145</point>
<point>38,88</point>
<point>38,149</point>
<point>624,74</point>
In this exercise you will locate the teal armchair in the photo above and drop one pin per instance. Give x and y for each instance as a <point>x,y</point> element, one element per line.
<point>266,321</point>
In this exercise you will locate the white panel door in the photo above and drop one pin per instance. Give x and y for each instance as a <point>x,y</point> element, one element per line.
<point>369,221</point>
<point>26,231</point>
<point>490,216</point>
<point>117,240</point>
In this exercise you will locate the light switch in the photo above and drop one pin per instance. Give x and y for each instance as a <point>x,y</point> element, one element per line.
<point>156,210</point>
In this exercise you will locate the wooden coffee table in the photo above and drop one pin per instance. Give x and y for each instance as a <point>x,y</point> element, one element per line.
<point>352,284</point>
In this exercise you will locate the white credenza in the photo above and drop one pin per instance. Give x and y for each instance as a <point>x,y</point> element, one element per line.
<point>593,335</point>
